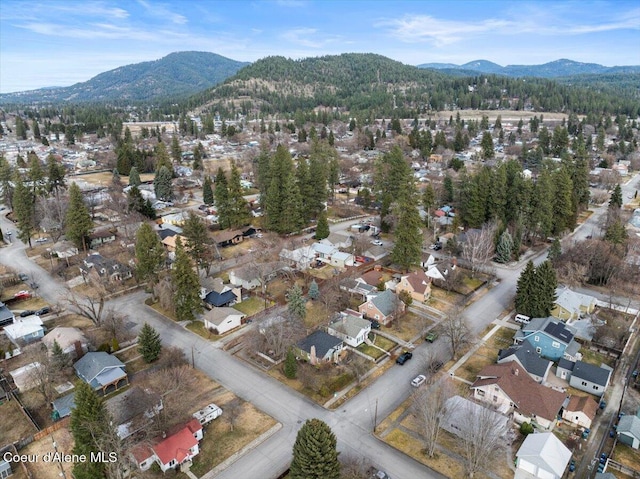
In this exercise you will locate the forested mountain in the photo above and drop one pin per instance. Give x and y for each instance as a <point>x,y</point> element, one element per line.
<point>371,84</point>
<point>177,74</point>
<point>555,69</point>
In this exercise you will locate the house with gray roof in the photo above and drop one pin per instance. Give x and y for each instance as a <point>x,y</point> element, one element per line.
<point>542,455</point>
<point>63,405</point>
<point>320,347</point>
<point>584,376</point>
<point>382,307</point>
<point>551,338</point>
<point>525,355</point>
<point>629,430</point>
<point>6,315</point>
<point>5,469</point>
<point>570,305</point>
<point>102,371</point>
<point>133,409</point>
<point>351,327</point>
<point>358,287</point>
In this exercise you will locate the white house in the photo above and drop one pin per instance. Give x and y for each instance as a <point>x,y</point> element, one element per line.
<point>25,330</point>
<point>351,327</point>
<point>340,259</point>
<point>25,378</point>
<point>580,411</point>
<point>223,319</point>
<point>542,455</point>
<point>71,340</point>
<point>300,258</point>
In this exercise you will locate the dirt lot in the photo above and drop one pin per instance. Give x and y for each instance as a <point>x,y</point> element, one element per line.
<point>104,178</point>
<point>506,115</point>
<point>43,470</point>
<point>15,425</point>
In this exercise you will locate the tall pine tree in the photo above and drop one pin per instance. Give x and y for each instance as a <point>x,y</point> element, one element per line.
<point>187,286</point>
<point>239,214</point>
<point>315,455</point>
<point>149,343</point>
<point>283,202</point>
<point>207,191</point>
<point>221,195</point>
<point>78,222</point>
<point>525,291</point>
<point>89,423</point>
<point>150,254</point>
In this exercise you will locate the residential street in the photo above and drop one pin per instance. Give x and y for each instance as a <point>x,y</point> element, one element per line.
<point>352,423</point>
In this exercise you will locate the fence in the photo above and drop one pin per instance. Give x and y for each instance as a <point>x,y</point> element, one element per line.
<point>616,466</point>
<point>54,427</point>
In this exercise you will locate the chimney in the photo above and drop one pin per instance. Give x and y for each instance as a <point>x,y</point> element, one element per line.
<point>516,371</point>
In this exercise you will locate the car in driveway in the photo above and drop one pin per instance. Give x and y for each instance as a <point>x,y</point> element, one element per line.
<point>404,357</point>
<point>375,324</point>
<point>22,295</point>
<point>376,242</point>
<point>419,380</point>
<point>42,240</point>
<point>43,311</point>
<point>27,312</point>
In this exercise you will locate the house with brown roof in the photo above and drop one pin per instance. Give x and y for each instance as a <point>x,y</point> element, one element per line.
<point>228,237</point>
<point>417,284</point>
<point>510,389</point>
<point>580,411</point>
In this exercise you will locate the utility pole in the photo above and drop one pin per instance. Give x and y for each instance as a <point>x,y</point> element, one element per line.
<point>375,417</point>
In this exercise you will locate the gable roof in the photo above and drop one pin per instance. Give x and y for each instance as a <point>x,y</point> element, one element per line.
<point>591,373</point>
<point>629,425</point>
<point>219,299</point>
<point>321,340</point>
<point>177,445</point>
<point>218,315</point>
<point>572,301</point>
<point>64,404</point>
<point>545,451</point>
<point>584,404</point>
<point>350,325</point>
<point>549,326</point>
<point>92,364</point>
<point>64,336</point>
<point>385,302</point>
<point>359,287</point>
<point>372,277</point>
<point>5,313</point>
<point>227,235</point>
<point>22,327</point>
<point>527,395</point>
<point>418,280</point>
<point>322,248</point>
<point>527,357</point>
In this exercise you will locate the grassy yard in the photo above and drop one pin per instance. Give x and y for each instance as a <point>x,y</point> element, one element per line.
<point>375,353</point>
<point>383,342</point>
<point>408,326</point>
<point>198,328</point>
<point>476,362</point>
<point>627,456</point>
<point>252,306</point>
<point>317,314</point>
<point>596,358</point>
<point>164,312</point>
<point>471,283</point>
<point>501,339</point>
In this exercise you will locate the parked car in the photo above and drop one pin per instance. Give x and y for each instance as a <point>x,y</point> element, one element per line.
<point>522,319</point>
<point>404,357</point>
<point>381,475</point>
<point>431,337</point>
<point>376,242</point>
<point>43,311</point>
<point>22,295</point>
<point>23,277</point>
<point>42,240</point>
<point>435,366</point>
<point>375,324</point>
<point>418,380</point>
<point>27,312</point>
<point>572,465</point>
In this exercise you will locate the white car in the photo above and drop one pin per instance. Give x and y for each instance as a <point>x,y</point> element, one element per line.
<point>418,380</point>
<point>376,242</point>
<point>42,240</point>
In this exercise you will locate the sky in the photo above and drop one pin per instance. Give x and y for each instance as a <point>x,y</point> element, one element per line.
<point>58,43</point>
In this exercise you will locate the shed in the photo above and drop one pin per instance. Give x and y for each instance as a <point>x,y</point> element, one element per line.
<point>25,377</point>
<point>5,469</point>
<point>63,405</point>
<point>629,430</point>
<point>542,455</point>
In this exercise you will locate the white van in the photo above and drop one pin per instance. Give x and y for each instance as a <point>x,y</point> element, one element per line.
<point>521,318</point>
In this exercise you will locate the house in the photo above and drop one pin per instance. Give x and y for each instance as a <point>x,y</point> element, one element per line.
<point>25,330</point>
<point>375,252</point>
<point>417,284</point>
<point>581,411</point>
<point>105,268</point>
<point>169,452</point>
<point>133,409</point>
<point>208,414</point>
<point>605,475</point>
<point>584,376</point>
<point>351,327</point>
<point>526,356</point>
<point>228,237</point>
<point>542,455</point>
<point>251,276</point>
<point>458,410</point>
<point>164,231</point>
<point>63,405</point>
<point>382,307</point>
<point>358,287</point>
<point>217,294</point>
<point>5,469</point>
<point>169,242</point>
<point>374,277</point>
<point>570,305</point>
<point>300,258</point>
<point>223,319</point>
<point>338,240</point>
<point>176,219</point>
<point>510,389</point>
<point>551,338</point>
<point>6,315</point>
<point>629,430</point>
<point>324,251</point>
<point>320,347</point>
<point>341,260</point>
<point>244,278</point>
<point>72,341</point>
<point>26,377</point>
<point>440,271</point>
<point>98,238</point>
<point>101,371</point>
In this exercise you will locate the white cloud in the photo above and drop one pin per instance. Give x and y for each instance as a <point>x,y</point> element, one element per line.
<point>309,38</point>
<point>162,11</point>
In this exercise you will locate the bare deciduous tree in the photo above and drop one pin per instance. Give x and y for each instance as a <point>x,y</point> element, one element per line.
<point>354,467</point>
<point>232,411</point>
<point>89,306</point>
<point>45,374</point>
<point>455,329</point>
<point>358,366</point>
<point>478,248</point>
<point>429,408</point>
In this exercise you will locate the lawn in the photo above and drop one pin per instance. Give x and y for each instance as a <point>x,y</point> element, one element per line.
<point>476,362</point>
<point>162,311</point>
<point>626,455</point>
<point>252,306</point>
<point>198,328</point>
<point>317,314</point>
<point>128,354</point>
<point>383,342</point>
<point>375,353</point>
<point>501,339</point>
<point>408,326</point>
<point>472,283</point>
<point>596,358</point>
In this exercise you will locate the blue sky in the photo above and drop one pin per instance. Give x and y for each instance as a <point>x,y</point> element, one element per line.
<point>58,43</point>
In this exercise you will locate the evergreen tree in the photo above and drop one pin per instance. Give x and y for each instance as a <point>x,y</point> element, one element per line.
<point>393,179</point>
<point>304,187</point>
<point>35,175</point>
<point>525,291</point>
<point>187,286</point>
<point>448,189</point>
<point>207,191</point>
<point>7,185</point>
<point>486,144</point>
<point>296,304</point>
<point>23,210</point>
<point>134,177</point>
<point>162,184</point>
<point>616,233</point>
<point>78,222</point>
<point>314,290</point>
<point>407,249</point>
<point>545,295</point>
<point>60,360</point>
<point>314,453</point>
<point>322,228</point>
<point>150,254</point>
<point>239,214</point>
<point>149,343</point>
<point>555,250</point>
<point>504,248</point>
<point>221,195</point>
<point>36,129</point>
<point>89,423</point>
<point>562,204</point>
<point>615,202</point>
<point>162,158</point>
<point>55,174</point>
<point>197,240</point>
<point>428,198</point>
<point>136,202</point>
<point>263,179</point>
<point>541,214</point>
<point>283,202</point>
<point>125,158</point>
<point>290,365</point>
<point>176,152</point>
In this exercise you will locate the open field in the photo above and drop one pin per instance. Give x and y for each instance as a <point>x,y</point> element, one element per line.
<point>506,115</point>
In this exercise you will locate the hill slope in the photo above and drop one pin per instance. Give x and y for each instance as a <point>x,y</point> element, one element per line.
<point>177,74</point>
